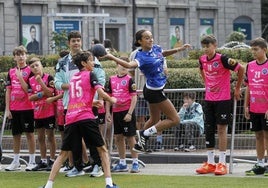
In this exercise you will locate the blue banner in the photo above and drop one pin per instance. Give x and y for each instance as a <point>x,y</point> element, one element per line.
<point>67,25</point>
<point>243,28</point>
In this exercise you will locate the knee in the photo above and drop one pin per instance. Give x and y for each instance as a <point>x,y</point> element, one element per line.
<point>175,121</point>
<point>51,140</point>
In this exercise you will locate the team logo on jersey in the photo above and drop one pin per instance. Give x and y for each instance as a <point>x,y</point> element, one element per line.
<point>123,82</point>
<point>264,71</point>
<point>231,62</point>
<point>215,64</point>
<point>38,87</point>
<point>24,74</point>
<point>133,87</point>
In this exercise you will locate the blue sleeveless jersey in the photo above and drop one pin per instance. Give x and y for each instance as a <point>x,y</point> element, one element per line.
<point>151,64</point>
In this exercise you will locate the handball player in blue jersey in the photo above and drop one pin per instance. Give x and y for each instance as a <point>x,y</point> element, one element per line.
<point>150,60</point>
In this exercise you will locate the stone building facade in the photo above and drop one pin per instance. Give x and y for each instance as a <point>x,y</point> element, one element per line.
<point>172,22</point>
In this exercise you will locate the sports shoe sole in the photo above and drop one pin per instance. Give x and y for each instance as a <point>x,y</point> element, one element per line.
<point>120,170</point>
<point>17,169</point>
<point>97,175</point>
<point>75,175</point>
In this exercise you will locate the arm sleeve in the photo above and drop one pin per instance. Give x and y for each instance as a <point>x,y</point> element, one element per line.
<point>226,64</point>
<point>8,81</point>
<point>59,76</point>
<point>200,64</point>
<point>246,75</point>
<point>132,86</point>
<point>108,87</point>
<point>93,80</point>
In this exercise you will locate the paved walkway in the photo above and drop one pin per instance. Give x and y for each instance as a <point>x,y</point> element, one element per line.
<point>189,169</point>
<point>178,169</point>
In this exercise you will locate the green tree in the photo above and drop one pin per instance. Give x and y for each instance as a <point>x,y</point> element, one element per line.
<point>59,41</point>
<point>236,36</point>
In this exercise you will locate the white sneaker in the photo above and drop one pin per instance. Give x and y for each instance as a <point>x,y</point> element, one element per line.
<point>65,169</point>
<point>74,172</point>
<point>97,171</point>
<point>13,166</point>
<point>30,167</point>
<point>190,148</point>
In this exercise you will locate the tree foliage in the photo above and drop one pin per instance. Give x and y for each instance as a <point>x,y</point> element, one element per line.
<point>59,41</point>
<point>236,36</point>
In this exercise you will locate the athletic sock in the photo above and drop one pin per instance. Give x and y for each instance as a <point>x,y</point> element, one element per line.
<point>261,162</point>
<point>16,158</point>
<point>109,181</point>
<point>123,161</point>
<point>150,131</point>
<point>49,184</point>
<point>211,158</point>
<point>135,160</point>
<point>31,158</point>
<point>222,157</point>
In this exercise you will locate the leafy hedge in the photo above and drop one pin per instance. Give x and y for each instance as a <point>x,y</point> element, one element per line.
<point>243,55</point>
<point>182,73</point>
<point>7,62</point>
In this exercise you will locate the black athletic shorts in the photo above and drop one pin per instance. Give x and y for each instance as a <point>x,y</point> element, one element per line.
<point>87,129</point>
<point>218,112</point>
<point>47,123</point>
<point>154,96</point>
<point>258,121</point>
<point>123,127</point>
<point>22,121</point>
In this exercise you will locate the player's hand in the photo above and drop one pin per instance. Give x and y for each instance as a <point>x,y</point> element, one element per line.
<point>185,105</point>
<point>9,115</point>
<point>237,94</point>
<point>246,113</point>
<point>127,117</point>
<point>186,46</point>
<point>38,78</point>
<point>107,56</point>
<point>18,73</point>
<point>113,100</point>
<point>108,117</point>
<point>98,103</point>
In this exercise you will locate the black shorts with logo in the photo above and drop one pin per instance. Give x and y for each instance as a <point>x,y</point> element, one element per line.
<point>22,121</point>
